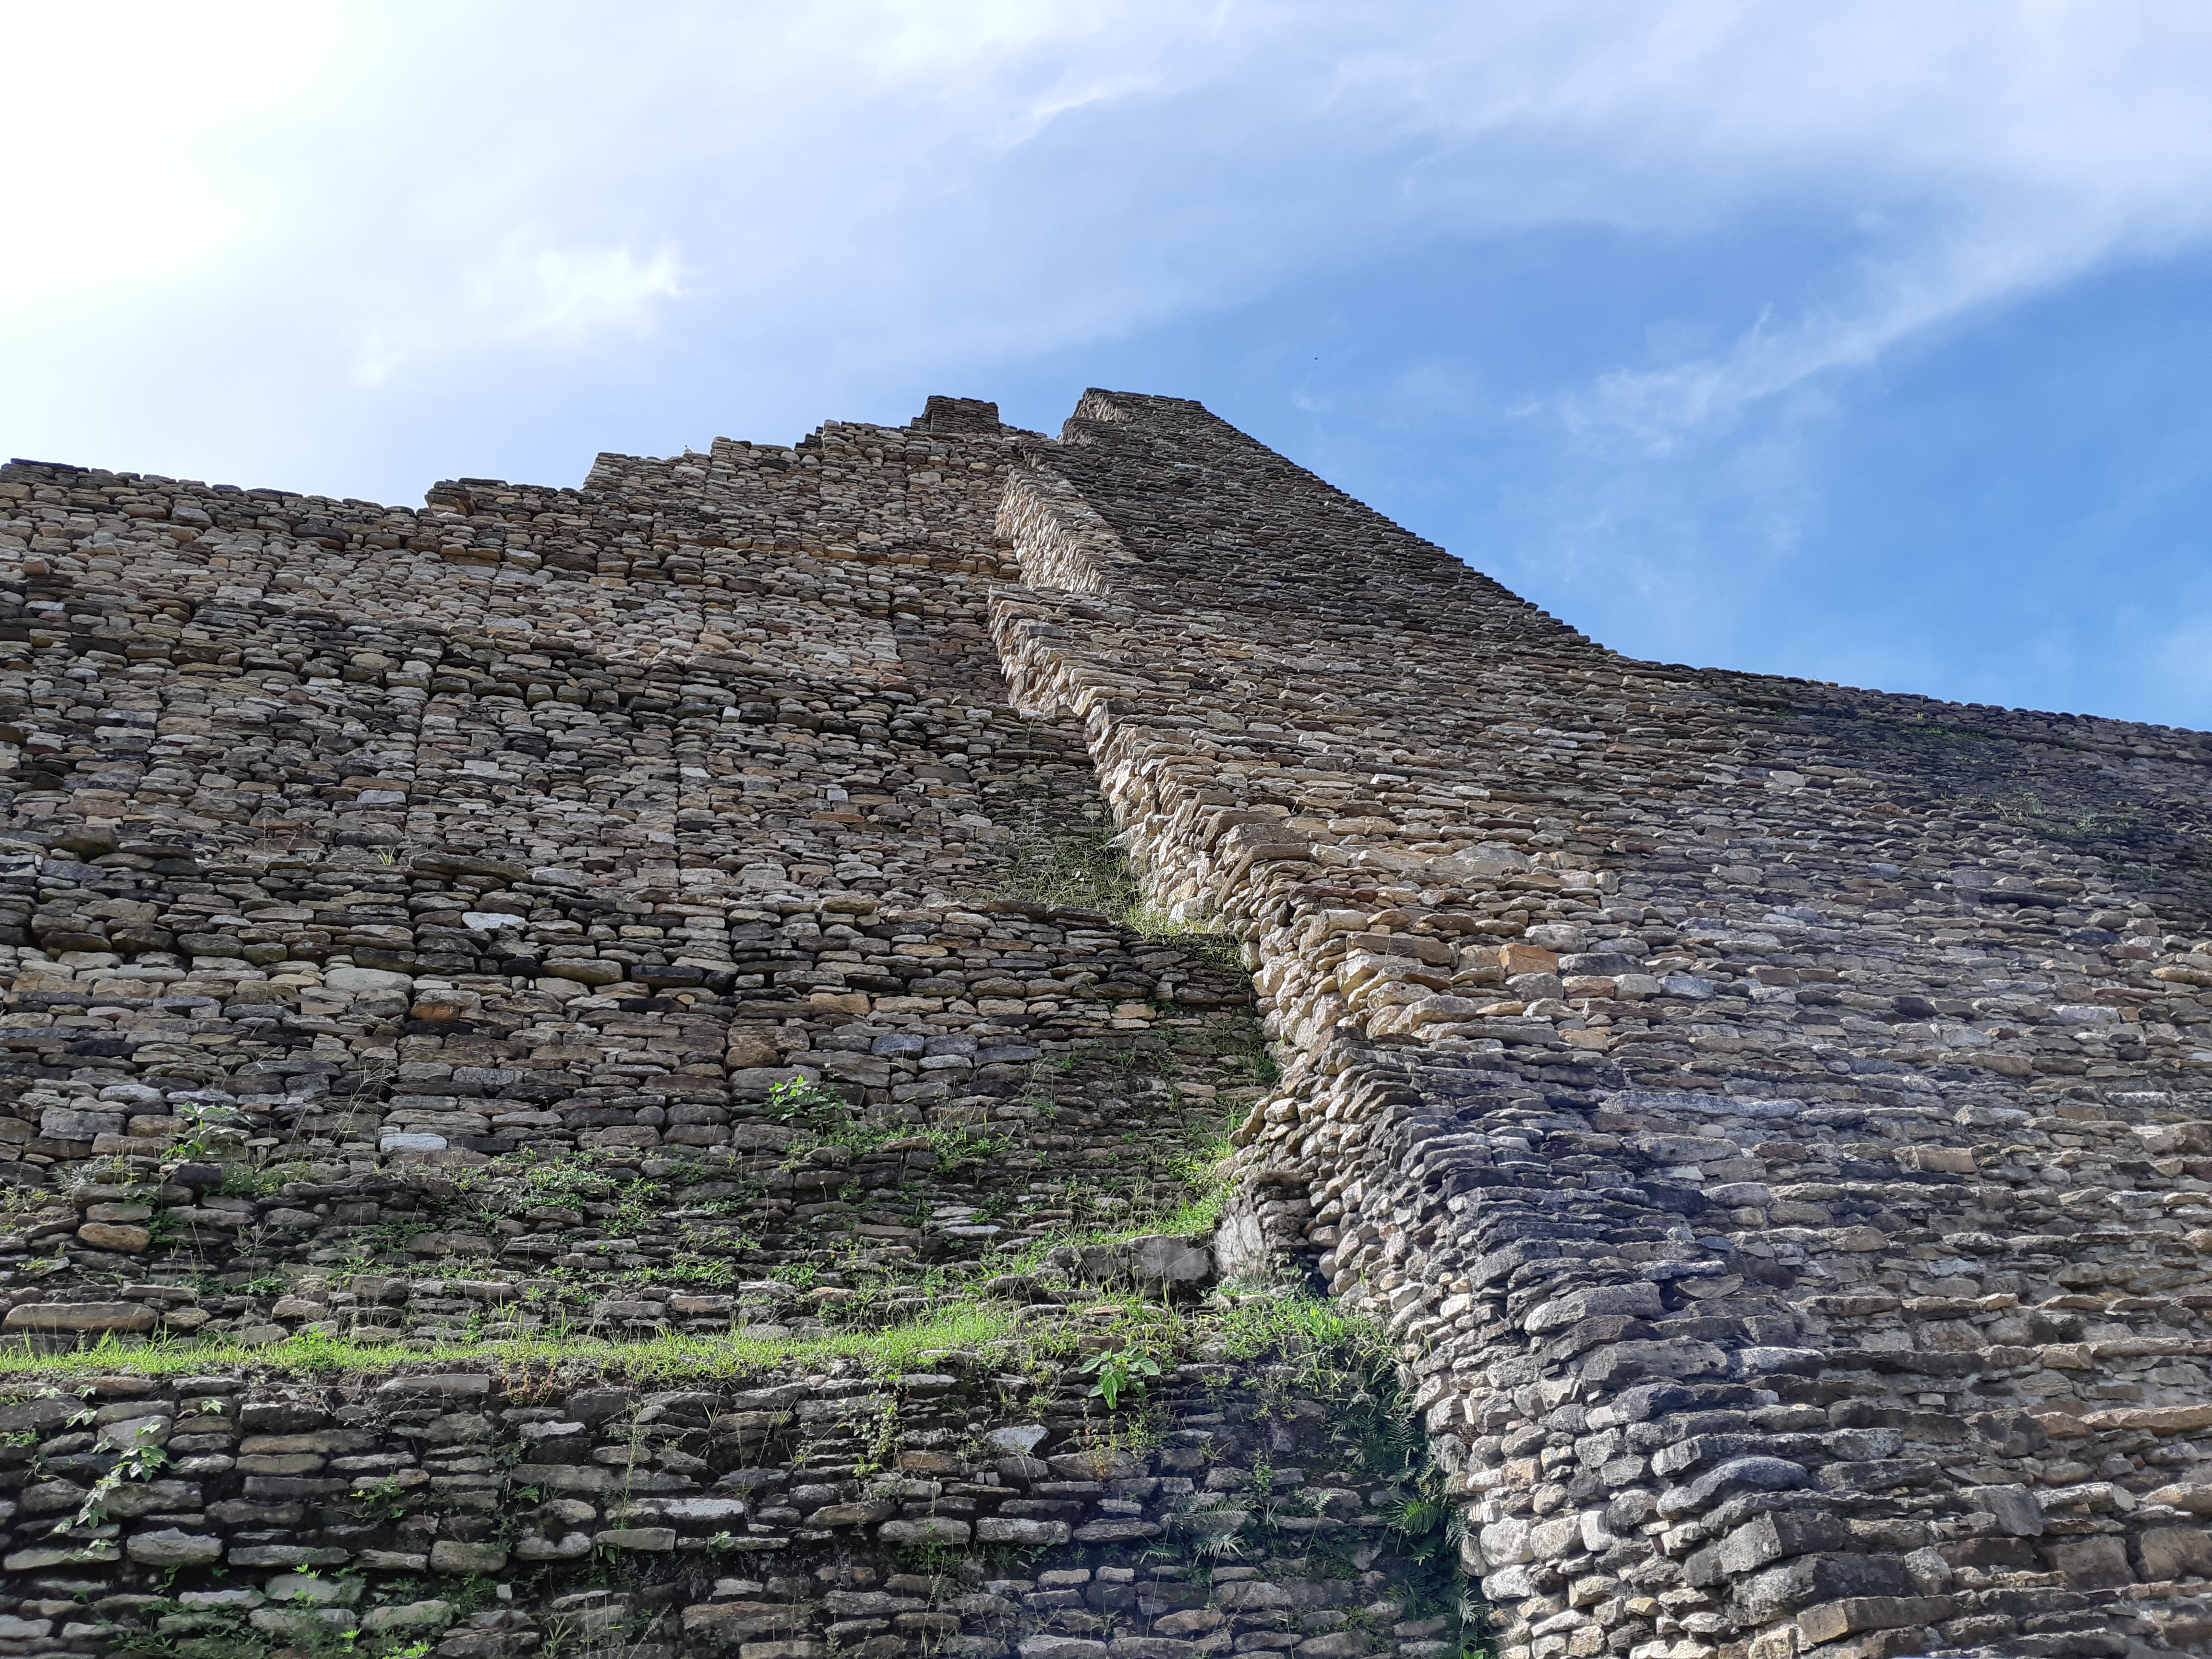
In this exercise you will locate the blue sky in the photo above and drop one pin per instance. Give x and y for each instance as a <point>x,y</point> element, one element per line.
<point>1863,342</point>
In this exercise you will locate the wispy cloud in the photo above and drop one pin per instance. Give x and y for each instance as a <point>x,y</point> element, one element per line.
<point>1040,174</point>
<point>1980,154</point>
<point>565,296</point>
<point>371,238</point>
<point>1892,303</point>
<point>573,290</point>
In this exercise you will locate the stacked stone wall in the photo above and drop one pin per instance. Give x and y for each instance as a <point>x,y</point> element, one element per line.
<point>796,1514</point>
<point>1762,1106</point>
<point>658,925</point>
<point>568,920</point>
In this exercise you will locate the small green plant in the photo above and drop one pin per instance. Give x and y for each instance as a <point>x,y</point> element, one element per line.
<point>1084,870</point>
<point>801,1100</point>
<point>1118,1371</point>
<point>211,1130</point>
<point>247,1181</point>
<point>140,1459</point>
<point>880,1444</point>
<point>958,1149</point>
<point>385,1500</point>
<point>1203,1528</point>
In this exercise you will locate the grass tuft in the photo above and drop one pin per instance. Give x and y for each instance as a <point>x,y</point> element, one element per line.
<point>964,1324</point>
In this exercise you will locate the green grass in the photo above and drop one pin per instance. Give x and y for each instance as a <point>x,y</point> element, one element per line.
<point>1288,1351</point>
<point>956,1325</point>
<point>1201,1214</point>
<point>1085,871</point>
<point>1331,1348</point>
<point>1198,1213</point>
<point>1306,1325</point>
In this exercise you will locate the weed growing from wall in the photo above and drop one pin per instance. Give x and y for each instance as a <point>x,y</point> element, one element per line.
<point>1084,870</point>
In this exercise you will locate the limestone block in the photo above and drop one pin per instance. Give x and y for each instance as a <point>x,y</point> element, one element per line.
<point>368,981</point>
<point>81,1316</point>
<point>170,1548</point>
<point>408,1616</point>
<point>1024,1534</point>
<point>648,1539</point>
<point>930,1529</point>
<point>451,1555</point>
<point>65,1123</point>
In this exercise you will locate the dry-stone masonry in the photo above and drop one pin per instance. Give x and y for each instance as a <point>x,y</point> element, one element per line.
<point>582,1075</point>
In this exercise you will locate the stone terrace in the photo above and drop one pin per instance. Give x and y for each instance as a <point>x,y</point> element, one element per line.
<point>1768,1111</point>
<point>1768,1117</point>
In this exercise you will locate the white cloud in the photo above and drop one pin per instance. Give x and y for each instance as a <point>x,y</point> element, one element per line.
<point>854,194</point>
<point>553,295</point>
<point>570,290</point>
<point>1983,152</point>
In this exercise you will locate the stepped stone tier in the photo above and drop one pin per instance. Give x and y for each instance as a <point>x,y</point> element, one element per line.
<point>661,938</point>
